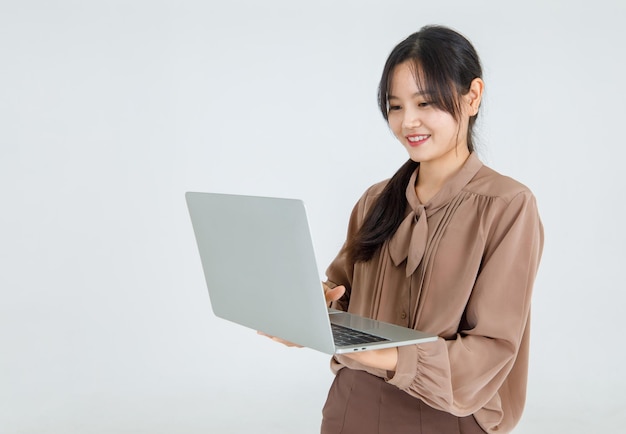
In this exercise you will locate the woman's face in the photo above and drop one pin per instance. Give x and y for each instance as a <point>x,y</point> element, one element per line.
<point>429,134</point>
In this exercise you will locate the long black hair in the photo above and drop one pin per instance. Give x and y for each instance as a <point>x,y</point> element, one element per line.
<point>445,64</point>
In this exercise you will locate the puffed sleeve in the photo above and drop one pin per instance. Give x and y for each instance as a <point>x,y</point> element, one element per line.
<point>341,269</point>
<point>461,375</point>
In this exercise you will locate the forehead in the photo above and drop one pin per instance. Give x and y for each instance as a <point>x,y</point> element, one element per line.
<point>406,78</point>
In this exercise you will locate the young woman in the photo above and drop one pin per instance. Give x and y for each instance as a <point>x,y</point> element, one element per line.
<point>447,246</point>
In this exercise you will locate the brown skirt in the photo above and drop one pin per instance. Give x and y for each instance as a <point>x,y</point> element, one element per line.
<point>360,403</point>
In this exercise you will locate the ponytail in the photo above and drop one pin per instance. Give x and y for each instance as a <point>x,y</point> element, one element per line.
<point>383,219</point>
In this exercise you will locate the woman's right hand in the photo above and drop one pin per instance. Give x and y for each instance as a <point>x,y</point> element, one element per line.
<point>333,294</point>
<point>330,294</point>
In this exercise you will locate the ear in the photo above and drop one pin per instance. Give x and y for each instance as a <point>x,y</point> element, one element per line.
<point>474,95</point>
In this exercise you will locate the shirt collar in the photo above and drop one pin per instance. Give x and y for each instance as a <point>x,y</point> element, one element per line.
<point>409,240</point>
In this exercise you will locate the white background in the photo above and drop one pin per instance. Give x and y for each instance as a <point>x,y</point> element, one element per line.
<point>111,110</point>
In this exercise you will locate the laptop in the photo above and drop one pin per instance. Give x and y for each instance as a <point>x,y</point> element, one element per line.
<point>260,270</point>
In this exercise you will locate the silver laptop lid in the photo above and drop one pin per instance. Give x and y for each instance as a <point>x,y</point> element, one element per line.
<point>260,267</point>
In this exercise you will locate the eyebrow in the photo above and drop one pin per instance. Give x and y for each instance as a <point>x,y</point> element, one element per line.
<point>422,94</point>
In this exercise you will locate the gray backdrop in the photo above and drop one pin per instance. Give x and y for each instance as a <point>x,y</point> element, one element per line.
<point>111,110</point>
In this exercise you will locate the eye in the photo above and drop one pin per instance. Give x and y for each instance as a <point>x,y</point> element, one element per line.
<point>394,108</point>
<point>424,104</point>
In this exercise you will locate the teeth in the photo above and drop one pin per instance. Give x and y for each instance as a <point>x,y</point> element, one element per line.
<point>417,138</point>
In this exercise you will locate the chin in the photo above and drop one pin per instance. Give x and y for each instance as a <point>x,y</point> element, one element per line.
<point>418,157</point>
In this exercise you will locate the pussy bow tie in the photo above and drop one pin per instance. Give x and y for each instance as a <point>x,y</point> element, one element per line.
<point>409,241</point>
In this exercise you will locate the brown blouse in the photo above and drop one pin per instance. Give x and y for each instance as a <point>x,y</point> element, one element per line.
<point>465,273</point>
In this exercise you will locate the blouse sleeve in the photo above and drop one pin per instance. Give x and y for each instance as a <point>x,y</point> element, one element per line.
<point>340,271</point>
<point>462,374</point>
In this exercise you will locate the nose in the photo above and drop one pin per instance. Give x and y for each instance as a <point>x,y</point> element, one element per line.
<point>411,119</point>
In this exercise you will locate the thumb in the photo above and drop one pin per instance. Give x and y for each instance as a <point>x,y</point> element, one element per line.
<point>335,293</point>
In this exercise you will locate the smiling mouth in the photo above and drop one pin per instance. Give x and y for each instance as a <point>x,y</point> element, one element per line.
<point>417,140</point>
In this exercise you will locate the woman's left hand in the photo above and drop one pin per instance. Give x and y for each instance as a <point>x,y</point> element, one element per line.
<point>386,359</point>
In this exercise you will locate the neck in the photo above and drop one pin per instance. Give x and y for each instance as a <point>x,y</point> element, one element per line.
<point>434,174</point>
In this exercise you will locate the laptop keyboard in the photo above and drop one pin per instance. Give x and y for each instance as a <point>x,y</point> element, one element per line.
<point>346,336</point>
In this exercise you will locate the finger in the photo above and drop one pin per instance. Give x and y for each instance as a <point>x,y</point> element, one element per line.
<point>286,343</point>
<point>334,293</point>
<point>279,340</point>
